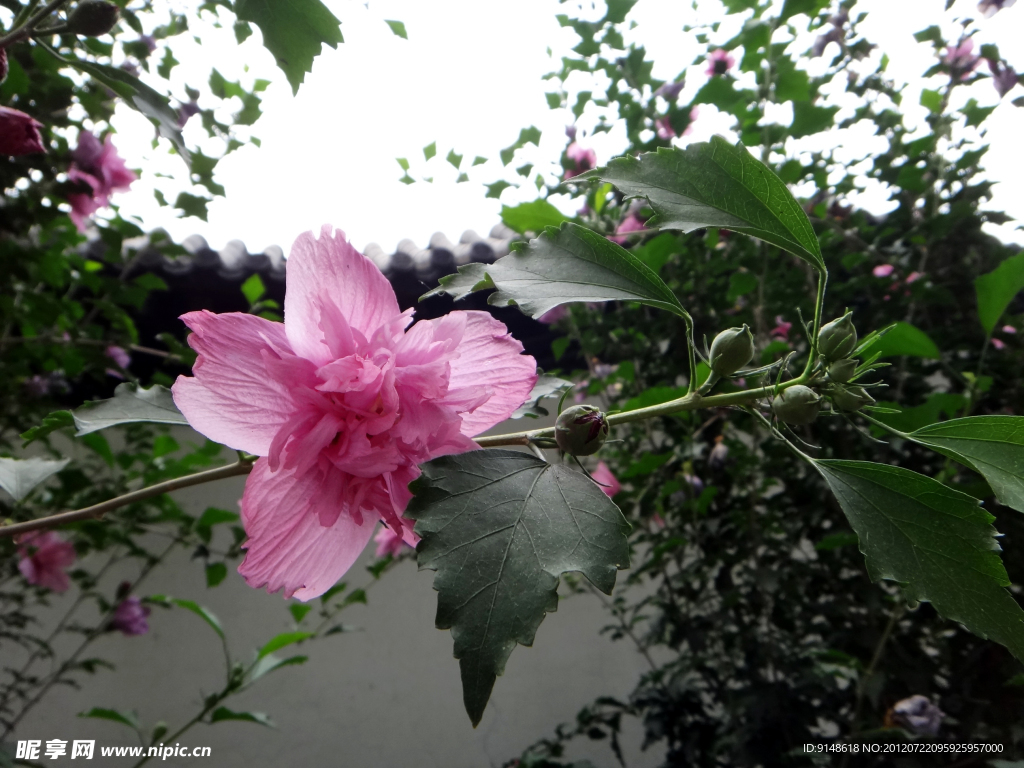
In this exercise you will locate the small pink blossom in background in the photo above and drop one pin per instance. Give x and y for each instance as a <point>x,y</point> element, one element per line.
<point>390,543</point>
<point>694,114</point>
<point>998,343</point>
<point>554,314</point>
<point>1009,329</point>
<point>629,224</point>
<point>719,62</point>
<point>119,355</point>
<point>129,617</point>
<point>44,558</point>
<point>19,133</point>
<point>913,277</point>
<point>583,160</point>
<point>1004,78</point>
<point>781,329</point>
<point>882,270</point>
<point>658,520</point>
<point>961,58</point>
<point>991,7</point>
<point>342,402</point>
<point>609,482</point>
<point>570,132</point>
<point>664,128</point>
<point>99,169</point>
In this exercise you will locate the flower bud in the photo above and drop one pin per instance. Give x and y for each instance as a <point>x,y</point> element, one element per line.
<point>581,430</point>
<point>841,371</point>
<point>797,405</point>
<point>837,339</point>
<point>731,350</point>
<point>93,18</point>
<point>851,398</point>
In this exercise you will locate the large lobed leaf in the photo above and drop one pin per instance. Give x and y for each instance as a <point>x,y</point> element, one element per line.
<point>500,527</point>
<point>562,266</point>
<point>938,543</point>
<point>715,184</point>
<point>990,445</point>
<point>130,403</point>
<point>293,31</point>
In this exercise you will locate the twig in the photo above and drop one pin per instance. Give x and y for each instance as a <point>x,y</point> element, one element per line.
<point>28,27</point>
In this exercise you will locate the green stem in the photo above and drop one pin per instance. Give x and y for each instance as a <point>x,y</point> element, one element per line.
<point>28,27</point>
<point>819,305</point>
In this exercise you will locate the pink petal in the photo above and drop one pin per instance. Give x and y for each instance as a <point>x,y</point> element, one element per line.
<point>288,548</point>
<point>488,357</point>
<point>234,398</point>
<point>329,271</point>
<point>609,482</point>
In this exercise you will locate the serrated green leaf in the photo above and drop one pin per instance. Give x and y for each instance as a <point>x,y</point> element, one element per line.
<point>500,527</point>
<point>294,32</point>
<point>546,386</point>
<point>715,184</point>
<point>223,713</point>
<point>937,543</point>
<point>997,289</point>
<point>130,403</point>
<point>534,216</point>
<point>561,266</point>
<point>19,476</point>
<point>125,718</point>
<point>993,446</point>
<point>905,339</point>
<point>398,28</point>
<point>54,421</point>
<point>283,640</point>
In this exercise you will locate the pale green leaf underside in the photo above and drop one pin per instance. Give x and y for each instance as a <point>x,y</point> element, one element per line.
<point>546,386</point>
<point>129,404</point>
<point>715,184</point>
<point>990,445</point>
<point>19,476</point>
<point>562,266</point>
<point>500,527</point>
<point>937,543</point>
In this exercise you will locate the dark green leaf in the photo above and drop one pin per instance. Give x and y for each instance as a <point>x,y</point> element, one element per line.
<point>562,266</point>
<point>129,403</point>
<point>997,289</point>
<point>267,664</point>
<point>19,476</point>
<point>56,420</point>
<point>906,339</point>
<point>398,28</point>
<point>215,574</point>
<point>932,410</point>
<point>546,386</point>
<point>253,289</point>
<point>810,7</point>
<point>740,284</point>
<point>809,119</point>
<point>202,613</point>
<point>500,527</point>
<point>937,543</point>
<point>283,640</point>
<point>192,205</point>
<point>430,150</point>
<point>294,32</point>
<point>993,446</point>
<point>454,159</point>
<point>125,718</point>
<point>299,611</point>
<point>715,184</point>
<point>223,713</point>
<point>534,216</point>
<point>494,190</point>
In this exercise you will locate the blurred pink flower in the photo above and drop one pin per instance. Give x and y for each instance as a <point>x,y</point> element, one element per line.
<point>694,113</point>
<point>629,224</point>
<point>1004,78</point>
<point>882,270</point>
<point>719,62</point>
<point>129,617</point>
<point>998,343</point>
<point>119,355</point>
<point>342,403</point>
<point>961,58</point>
<point>609,483</point>
<point>583,160</point>
<point>19,133</point>
<point>390,543</point>
<point>44,557</point>
<point>554,314</point>
<point>1009,329</point>
<point>664,128</point>
<point>99,169</point>
<point>991,7</point>
<point>913,277</point>
<point>781,329</point>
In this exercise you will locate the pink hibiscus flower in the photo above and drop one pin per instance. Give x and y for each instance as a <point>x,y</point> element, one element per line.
<point>129,618</point>
<point>663,127</point>
<point>719,62</point>
<point>882,270</point>
<point>342,403</point>
<point>583,160</point>
<point>609,483</point>
<point>19,133</point>
<point>102,171</point>
<point>961,58</point>
<point>44,558</point>
<point>390,542</point>
<point>629,224</point>
<point>781,329</point>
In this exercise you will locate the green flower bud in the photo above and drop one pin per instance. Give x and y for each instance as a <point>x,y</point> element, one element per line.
<point>837,339</point>
<point>850,398</point>
<point>581,430</point>
<point>93,18</point>
<point>841,371</point>
<point>731,350</point>
<point>797,405</point>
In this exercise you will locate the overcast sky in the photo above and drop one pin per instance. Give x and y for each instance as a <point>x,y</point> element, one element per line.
<point>469,77</point>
